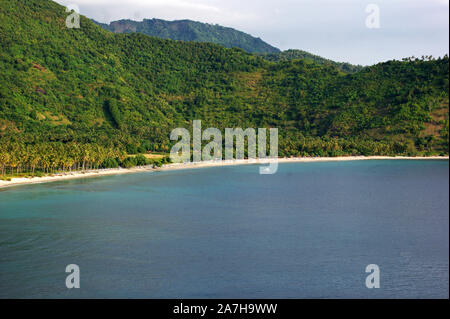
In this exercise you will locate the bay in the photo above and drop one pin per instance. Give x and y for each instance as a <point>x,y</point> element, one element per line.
<point>309,231</point>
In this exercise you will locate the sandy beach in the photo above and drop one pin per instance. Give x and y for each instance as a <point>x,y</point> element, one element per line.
<point>118,171</point>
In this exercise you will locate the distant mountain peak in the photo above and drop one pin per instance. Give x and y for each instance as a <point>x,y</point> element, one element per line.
<point>188,30</point>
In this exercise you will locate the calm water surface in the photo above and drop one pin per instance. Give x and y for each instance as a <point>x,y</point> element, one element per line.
<point>308,231</point>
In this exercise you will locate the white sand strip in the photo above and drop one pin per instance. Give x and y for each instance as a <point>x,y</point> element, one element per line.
<point>118,171</point>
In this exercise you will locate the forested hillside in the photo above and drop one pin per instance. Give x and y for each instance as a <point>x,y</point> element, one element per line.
<point>303,55</point>
<point>80,97</point>
<point>187,30</point>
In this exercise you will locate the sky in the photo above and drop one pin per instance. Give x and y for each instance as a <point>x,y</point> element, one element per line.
<point>334,29</point>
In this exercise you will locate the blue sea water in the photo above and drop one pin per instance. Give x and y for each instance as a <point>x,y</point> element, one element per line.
<point>308,231</point>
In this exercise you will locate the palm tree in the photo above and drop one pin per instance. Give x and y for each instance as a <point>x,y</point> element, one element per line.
<point>4,159</point>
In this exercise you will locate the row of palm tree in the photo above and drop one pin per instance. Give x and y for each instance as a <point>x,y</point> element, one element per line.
<point>16,158</point>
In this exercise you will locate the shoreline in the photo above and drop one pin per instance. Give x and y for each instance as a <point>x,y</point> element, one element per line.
<point>179,166</point>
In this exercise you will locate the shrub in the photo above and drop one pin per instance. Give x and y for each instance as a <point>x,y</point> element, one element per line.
<point>128,162</point>
<point>157,163</point>
<point>141,160</point>
<point>110,163</point>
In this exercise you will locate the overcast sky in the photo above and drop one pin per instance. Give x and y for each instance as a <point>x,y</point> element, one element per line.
<point>334,29</point>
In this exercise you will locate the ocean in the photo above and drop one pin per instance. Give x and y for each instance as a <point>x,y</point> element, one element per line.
<point>308,231</point>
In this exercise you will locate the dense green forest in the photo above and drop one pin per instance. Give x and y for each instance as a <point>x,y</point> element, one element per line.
<point>303,55</point>
<point>77,98</point>
<point>187,30</point>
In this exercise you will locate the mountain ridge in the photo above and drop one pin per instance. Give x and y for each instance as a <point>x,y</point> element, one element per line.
<point>189,30</point>
<point>296,54</point>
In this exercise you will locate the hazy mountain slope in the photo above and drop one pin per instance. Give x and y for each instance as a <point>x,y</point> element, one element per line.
<point>187,30</point>
<point>88,86</point>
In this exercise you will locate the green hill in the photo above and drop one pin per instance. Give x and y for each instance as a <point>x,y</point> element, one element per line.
<point>303,55</point>
<point>187,30</point>
<point>75,97</point>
